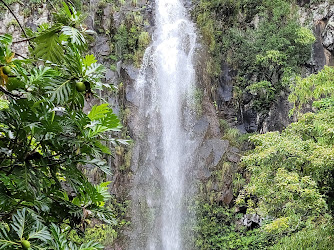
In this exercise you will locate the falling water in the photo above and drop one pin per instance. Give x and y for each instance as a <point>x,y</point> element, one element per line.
<point>164,148</point>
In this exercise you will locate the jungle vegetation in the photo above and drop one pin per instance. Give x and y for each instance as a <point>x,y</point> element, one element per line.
<point>46,201</point>
<point>286,178</point>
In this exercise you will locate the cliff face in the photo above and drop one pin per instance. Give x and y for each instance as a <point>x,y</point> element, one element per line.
<point>319,18</point>
<point>215,99</point>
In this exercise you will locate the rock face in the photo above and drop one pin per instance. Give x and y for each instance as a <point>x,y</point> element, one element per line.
<point>38,15</point>
<point>213,151</point>
<point>318,16</point>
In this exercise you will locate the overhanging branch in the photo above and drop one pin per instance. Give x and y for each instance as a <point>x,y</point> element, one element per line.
<point>24,32</point>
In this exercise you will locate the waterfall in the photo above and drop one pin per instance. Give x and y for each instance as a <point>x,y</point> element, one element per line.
<point>164,148</point>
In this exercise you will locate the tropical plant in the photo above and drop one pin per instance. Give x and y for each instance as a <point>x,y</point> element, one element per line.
<point>28,232</point>
<point>46,138</point>
<point>292,183</point>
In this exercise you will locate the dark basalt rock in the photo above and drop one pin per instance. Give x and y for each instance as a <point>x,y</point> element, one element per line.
<point>303,2</point>
<point>250,121</point>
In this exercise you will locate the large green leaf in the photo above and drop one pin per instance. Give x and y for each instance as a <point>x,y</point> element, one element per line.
<point>89,60</point>
<point>99,111</point>
<point>59,90</point>
<point>49,45</point>
<point>75,36</point>
<point>91,246</point>
<point>6,242</point>
<point>39,231</point>
<point>23,222</point>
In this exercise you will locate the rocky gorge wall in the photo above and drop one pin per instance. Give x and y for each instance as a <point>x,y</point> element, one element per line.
<point>316,16</point>
<point>219,158</point>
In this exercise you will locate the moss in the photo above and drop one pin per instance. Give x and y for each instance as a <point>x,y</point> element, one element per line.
<point>131,39</point>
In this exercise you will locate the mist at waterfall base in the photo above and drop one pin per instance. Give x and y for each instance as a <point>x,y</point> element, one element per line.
<point>163,154</point>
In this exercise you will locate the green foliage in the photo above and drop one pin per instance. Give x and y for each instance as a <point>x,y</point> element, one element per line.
<point>27,226</point>
<point>131,40</point>
<point>317,87</point>
<point>217,229</point>
<point>283,168</point>
<point>291,183</point>
<point>46,139</point>
<point>314,237</point>
<point>270,51</point>
<point>232,135</point>
<point>263,92</point>
<point>102,233</point>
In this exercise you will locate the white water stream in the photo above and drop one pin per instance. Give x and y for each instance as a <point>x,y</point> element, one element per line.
<point>164,146</point>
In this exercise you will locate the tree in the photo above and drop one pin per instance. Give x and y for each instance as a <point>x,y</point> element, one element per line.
<point>291,184</point>
<point>46,138</point>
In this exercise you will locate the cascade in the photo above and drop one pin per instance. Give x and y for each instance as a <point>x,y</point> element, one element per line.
<point>164,143</point>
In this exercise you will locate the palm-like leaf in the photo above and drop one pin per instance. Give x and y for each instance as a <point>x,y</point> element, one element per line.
<point>68,15</point>
<point>103,190</point>
<point>5,40</point>
<point>73,63</point>
<point>41,75</point>
<point>103,165</point>
<point>59,241</point>
<point>103,119</point>
<point>89,60</point>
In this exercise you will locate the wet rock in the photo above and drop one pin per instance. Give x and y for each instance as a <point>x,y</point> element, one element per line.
<point>201,127</point>
<point>111,76</point>
<point>251,220</point>
<point>246,98</point>
<point>107,20</point>
<point>101,47</point>
<point>250,121</point>
<point>213,149</point>
<point>131,71</point>
<point>210,114</point>
<point>204,173</point>
<point>278,117</point>
<point>233,155</point>
<point>227,196</point>
<point>318,60</point>
<point>131,95</point>
<point>303,2</point>
<point>328,35</point>
<point>225,88</point>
